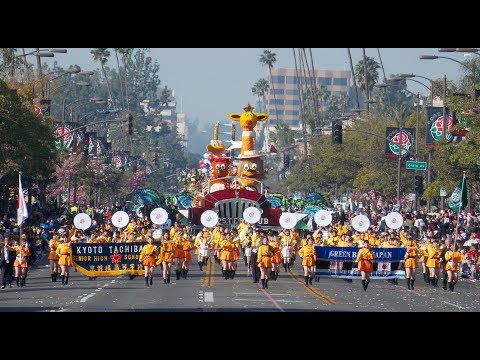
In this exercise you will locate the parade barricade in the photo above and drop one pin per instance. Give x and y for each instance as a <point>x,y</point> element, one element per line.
<point>334,261</point>
<point>108,259</point>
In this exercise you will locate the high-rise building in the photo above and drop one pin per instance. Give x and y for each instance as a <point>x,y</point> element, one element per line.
<point>286,87</point>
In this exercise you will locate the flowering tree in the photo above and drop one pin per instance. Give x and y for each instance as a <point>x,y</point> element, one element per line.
<point>137,180</point>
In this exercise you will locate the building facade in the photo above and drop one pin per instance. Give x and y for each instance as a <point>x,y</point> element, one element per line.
<point>287,86</point>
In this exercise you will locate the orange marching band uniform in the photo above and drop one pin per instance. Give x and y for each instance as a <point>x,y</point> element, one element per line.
<point>433,263</point>
<point>364,258</point>
<point>168,252</point>
<point>453,266</point>
<point>411,256</point>
<point>309,258</point>
<point>64,251</point>
<point>148,258</point>
<point>21,262</point>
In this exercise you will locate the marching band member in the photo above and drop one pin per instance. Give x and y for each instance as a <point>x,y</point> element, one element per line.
<point>178,255</point>
<point>364,259</point>
<point>217,237</point>
<point>453,265</point>
<point>226,248</point>
<point>21,261</point>
<point>148,259</point>
<point>309,258</point>
<point>168,251</point>
<point>411,262</point>
<point>264,259</point>
<point>433,262</point>
<point>187,247</point>
<point>287,248</point>
<point>277,257</point>
<point>446,247</point>
<point>248,255</point>
<point>423,261</point>
<point>64,251</point>
<point>53,257</point>
<point>201,243</point>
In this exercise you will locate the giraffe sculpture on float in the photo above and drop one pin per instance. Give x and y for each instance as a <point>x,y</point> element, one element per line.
<point>251,165</point>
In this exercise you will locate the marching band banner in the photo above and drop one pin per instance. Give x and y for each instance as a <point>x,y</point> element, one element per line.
<point>333,261</point>
<point>108,259</point>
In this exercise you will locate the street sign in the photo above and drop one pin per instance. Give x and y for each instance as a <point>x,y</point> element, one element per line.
<point>416,165</point>
<point>443,192</point>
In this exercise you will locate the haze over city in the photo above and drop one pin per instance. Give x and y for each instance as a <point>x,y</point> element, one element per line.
<point>209,83</point>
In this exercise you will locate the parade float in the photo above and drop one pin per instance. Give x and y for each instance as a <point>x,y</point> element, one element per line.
<point>228,192</point>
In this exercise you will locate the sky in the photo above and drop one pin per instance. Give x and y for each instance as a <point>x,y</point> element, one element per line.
<point>210,83</point>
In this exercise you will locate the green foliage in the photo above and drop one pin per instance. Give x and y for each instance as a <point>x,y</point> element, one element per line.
<point>26,141</point>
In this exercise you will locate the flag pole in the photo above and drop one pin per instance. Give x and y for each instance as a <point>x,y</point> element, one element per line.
<point>459,210</point>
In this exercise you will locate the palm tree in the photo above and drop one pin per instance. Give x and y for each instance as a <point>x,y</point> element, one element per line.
<point>268,58</point>
<point>101,55</point>
<point>125,52</point>
<point>119,77</point>
<point>284,135</point>
<point>372,74</point>
<point>260,89</point>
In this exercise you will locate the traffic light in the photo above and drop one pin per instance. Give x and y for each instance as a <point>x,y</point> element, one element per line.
<point>337,132</point>
<point>130,123</point>
<point>418,183</point>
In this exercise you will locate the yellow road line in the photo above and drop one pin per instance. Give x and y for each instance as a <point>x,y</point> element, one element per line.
<point>325,298</point>
<point>209,279</point>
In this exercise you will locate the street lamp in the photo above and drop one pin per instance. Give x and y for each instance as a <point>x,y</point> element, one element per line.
<point>73,70</point>
<point>410,76</point>
<point>433,57</point>
<point>468,50</point>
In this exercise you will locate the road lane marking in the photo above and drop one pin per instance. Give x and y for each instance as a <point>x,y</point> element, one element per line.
<point>458,306</point>
<point>325,298</point>
<point>208,296</point>
<point>85,298</point>
<point>273,301</point>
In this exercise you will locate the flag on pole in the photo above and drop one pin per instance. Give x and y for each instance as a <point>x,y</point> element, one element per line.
<point>458,200</point>
<point>22,212</point>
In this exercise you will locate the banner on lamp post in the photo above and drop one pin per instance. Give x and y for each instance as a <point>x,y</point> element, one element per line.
<point>397,144</point>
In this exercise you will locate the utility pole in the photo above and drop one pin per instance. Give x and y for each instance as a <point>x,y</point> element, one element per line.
<point>445,122</point>
<point>39,70</point>
<point>399,170</point>
<point>417,200</point>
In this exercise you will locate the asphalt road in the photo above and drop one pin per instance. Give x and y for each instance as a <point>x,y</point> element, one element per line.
<point>208,291</point>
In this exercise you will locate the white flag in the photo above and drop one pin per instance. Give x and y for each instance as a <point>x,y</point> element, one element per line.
<point>22,212</point>
<point>384,267</point>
